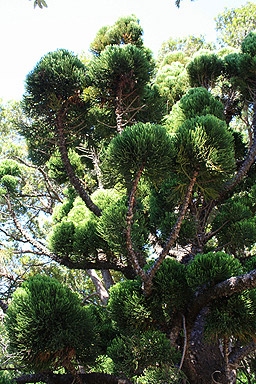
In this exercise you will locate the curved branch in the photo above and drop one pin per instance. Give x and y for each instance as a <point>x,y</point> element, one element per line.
<point>185,343</point>
<point>173,236</point>
<point>226,288</point>
<point>70,171</point>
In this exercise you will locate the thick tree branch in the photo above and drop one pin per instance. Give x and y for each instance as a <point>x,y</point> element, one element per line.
<point>87,378</point>
<point>226,288</point>
<point>238,354</point>
<point>3,306</point>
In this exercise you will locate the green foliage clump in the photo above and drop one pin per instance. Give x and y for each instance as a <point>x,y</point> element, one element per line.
<point>172,80</point>
<point>235,222</point>
<point>47,326</point>
<point>58,76</point>
<point>56,169</point>
<point>127,306</point>
<point>54,87</point>
<point>232,317</point>
<point>199,102</point>
<point>112,227</point>
<point>9,167</point>
<point>248,45</point>
<point>62,210</point>
<point>78,235</point>
<point>125,31</point>
<point>170,289</point>
<point>9,177</point>
<point>211,268</point>
<point>250,264</point>
<point>126,68</point>
<point>131,354</point>
<point>196,102</point>
<point>204,70</point>
<point>61,239</point>
<point>160,375</point>
<point>204,145</point>
<point>241,68</point>
<point>5,378</point>
<point>142,146</point>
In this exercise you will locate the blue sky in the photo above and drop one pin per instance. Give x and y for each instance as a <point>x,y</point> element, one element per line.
<point>27,33</point>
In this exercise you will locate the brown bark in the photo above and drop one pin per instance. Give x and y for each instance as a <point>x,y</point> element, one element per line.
<point>204,363</point>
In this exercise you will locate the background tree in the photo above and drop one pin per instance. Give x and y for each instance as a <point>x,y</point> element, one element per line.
<point>233,25</point>
<point>187,45</point>
<point>126,30</point>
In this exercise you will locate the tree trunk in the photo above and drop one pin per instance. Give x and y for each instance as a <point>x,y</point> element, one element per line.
<point>100,289</point>
<point>107,278</point>
<point>205,360</point>
<point>119,112</point>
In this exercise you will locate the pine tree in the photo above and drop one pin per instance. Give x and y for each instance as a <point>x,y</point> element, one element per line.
<point>189,184</point>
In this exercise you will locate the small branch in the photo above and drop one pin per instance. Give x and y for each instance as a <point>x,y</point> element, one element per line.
<point>26,235</point>
<point>185,344</point>
<point>209,235</point>
<point>239,353</point>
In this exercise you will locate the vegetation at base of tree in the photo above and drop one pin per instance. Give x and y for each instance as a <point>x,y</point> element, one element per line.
<point>140,176</point>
